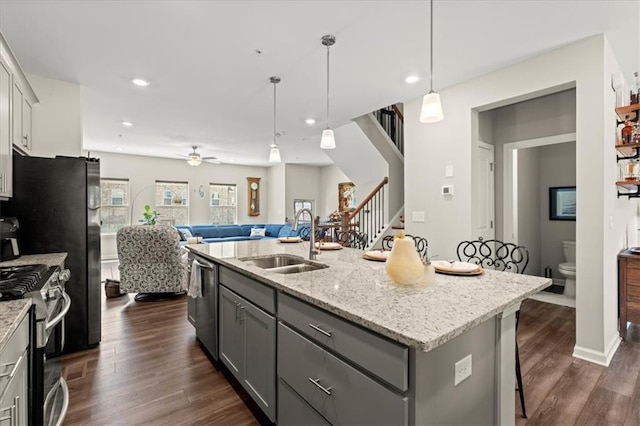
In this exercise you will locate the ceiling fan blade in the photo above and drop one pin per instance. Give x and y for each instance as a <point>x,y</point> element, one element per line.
<point>209,158</point>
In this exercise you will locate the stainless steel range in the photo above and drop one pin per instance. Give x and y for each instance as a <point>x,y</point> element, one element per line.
<point>49,395</point>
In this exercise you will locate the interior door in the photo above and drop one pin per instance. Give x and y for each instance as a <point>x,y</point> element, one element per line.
<point>484,192</point>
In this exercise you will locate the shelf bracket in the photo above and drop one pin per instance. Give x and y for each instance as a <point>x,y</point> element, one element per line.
<point>633,157</point>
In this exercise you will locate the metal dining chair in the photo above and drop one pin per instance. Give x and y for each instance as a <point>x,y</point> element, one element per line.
<point>508,257</point>
<point>353,239</point>
<point>422,245</point>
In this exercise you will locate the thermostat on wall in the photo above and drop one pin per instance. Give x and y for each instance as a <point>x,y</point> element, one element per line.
<point>447,189</point>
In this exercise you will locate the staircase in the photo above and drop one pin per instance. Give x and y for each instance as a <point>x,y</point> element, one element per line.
<point>369,216</point>
<point>392,122</point>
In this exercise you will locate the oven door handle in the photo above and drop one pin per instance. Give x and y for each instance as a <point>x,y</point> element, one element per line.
<point>65,402</point>
<point>67,304</point>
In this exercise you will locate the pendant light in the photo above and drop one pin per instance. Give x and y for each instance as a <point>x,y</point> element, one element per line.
<point>328,140</point>
<point>431,107</point>
<point>274,153</point>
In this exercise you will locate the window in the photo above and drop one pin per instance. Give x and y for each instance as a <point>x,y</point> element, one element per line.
<point>114,204</point>
<point>303,204</point>
<point>172,202</point>
<point>222,203</point>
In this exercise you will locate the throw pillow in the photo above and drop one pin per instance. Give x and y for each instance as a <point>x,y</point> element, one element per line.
<point>182,237</point>
<point>187,234</point>
<point>257,232</point>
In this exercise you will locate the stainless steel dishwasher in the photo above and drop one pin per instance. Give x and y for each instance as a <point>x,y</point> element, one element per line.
<point>206,306</point>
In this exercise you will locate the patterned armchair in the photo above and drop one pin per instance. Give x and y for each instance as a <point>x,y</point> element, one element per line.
<point>151,260</point>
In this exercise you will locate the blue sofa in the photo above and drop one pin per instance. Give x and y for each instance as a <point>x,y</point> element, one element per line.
<point>220,233</point>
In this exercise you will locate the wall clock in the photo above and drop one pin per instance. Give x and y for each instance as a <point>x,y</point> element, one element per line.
<point>253,196</point>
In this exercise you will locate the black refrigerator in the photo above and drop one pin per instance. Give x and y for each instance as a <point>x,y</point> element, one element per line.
<point>57,203</point>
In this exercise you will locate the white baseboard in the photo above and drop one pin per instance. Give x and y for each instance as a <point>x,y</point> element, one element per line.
<point>601,358</point>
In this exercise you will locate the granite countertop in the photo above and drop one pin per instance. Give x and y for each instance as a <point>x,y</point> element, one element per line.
<point>422,317</point>
<point>49,259</point>
<point>11,313</point>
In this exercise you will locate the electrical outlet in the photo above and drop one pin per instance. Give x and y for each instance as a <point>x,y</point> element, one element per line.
<point>462,370</point>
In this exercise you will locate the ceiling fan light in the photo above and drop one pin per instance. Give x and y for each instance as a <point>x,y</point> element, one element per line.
<point>274,155</point>
<point>194,161</point>
<point>328,140</point>
<point>431,111</point>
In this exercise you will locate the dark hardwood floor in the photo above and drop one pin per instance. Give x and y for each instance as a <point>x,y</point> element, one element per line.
<point>149,369</point>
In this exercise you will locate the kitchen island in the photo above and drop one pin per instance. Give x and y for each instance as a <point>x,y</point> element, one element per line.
<point>421,332</point>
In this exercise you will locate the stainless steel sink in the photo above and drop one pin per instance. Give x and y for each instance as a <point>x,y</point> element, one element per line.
<point>284,263</point>
<point>294,269</point>
<point>276,261</point>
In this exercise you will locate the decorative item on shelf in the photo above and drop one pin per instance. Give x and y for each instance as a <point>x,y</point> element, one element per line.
<point>149,217</point>
<point>201,191</point>
<point>634,95</point>
<point>627,132</point>
<point>335,216</point>
<point>253,199</point>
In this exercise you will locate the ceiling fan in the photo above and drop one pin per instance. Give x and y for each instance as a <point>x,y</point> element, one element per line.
<point>194,159</point>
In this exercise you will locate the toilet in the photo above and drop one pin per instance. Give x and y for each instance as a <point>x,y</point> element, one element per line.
<point>568,268</point>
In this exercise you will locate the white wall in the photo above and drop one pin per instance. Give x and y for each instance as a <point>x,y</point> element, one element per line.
<point>142,173</point>
<point>57,118</point>
<point>528,202</point>
<point>330,176</point>
<point>276,212</point>
<point>557,168</point>
<point>302,182</point>
<point>602,220</point>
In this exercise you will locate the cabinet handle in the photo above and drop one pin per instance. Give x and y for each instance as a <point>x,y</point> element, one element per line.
<point>242,313</point>
<point>318,329</point>
<point>237,312</point>
<point>322,388</point>
<point>16,403</point>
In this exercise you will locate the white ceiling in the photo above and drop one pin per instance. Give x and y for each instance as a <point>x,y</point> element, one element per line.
<point>211,89</point>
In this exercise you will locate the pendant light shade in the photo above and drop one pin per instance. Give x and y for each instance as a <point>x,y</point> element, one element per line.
<point>431,108</point>
<point>431,111</point>
<point>328,140</point>
<point>274,152</point>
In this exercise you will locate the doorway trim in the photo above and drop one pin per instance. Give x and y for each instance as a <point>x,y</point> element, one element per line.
<point>510,179</point>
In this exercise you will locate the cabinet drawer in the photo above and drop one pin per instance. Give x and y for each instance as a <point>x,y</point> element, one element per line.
<point>258,293</point>
<point>633,293</point>
<point>293,410</point>
<point>633,275</point>
<point>386,359</point>
<point>13,353</point>
<point>341,394</point>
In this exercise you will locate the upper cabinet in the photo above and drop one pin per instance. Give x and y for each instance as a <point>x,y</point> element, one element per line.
<point>17,99</point>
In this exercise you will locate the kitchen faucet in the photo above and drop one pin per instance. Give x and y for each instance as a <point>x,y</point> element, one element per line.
<point>312,239</point>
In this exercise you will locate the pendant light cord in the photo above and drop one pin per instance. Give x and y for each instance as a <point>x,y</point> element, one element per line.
<point>327,86</point>
<point>431,47</point>
<point>275,144</point>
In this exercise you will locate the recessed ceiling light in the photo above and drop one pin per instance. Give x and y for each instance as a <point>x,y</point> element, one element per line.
<point>140,82</point>
<point>310,121</point>
<point>118,148</point>
<point>127,123</point>
<point>412,79</point>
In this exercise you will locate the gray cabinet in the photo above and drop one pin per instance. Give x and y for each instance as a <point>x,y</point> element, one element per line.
<point>6,163</point>
<point>14,360</point>
<point>248,347</point>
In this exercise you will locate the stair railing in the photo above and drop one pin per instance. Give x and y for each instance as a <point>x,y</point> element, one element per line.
<point>368,217</point>
<point>392,121</point>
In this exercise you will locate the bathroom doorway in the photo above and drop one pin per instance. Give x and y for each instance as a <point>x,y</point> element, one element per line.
<point>531,169</point>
